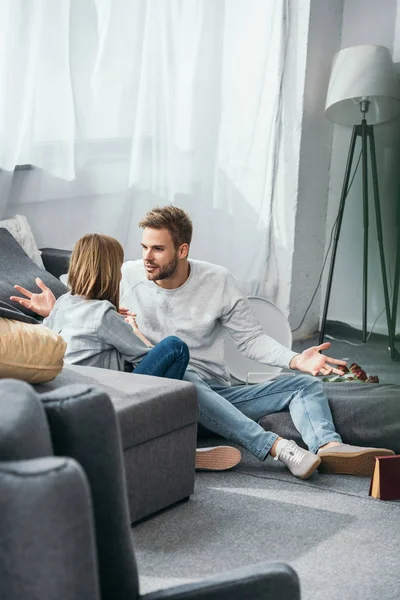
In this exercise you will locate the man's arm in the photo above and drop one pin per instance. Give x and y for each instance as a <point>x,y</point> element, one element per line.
<point>246,331</point>
<point>251,340</point>
<point>41,304</point>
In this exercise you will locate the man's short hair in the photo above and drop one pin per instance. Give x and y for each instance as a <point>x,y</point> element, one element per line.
<point>174,219</point>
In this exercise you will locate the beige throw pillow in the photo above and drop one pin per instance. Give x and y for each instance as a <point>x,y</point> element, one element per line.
<point>33,353</point>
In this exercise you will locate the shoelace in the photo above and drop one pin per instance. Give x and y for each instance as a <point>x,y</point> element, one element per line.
<point>292,453</point>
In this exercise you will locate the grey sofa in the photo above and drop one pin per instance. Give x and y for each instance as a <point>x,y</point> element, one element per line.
<point>64,531</point>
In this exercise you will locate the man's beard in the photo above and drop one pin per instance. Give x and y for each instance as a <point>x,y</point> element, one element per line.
<point>164,272</point>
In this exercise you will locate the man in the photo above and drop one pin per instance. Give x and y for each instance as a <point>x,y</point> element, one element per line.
<point>195,300</point>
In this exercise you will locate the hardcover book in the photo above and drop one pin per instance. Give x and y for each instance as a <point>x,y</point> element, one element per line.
<point>385,481</point>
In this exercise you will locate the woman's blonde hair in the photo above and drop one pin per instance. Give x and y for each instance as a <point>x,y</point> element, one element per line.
<point>95,268</point>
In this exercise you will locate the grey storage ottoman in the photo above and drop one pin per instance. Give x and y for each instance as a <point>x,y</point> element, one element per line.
<point>158,424</point>
<point>365,414</point>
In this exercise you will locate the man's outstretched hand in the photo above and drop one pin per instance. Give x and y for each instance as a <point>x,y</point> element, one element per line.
<point>311,361</point>
<point>42,303</point>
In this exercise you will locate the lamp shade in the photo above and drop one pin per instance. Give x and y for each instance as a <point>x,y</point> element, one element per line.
<point>362,73</point>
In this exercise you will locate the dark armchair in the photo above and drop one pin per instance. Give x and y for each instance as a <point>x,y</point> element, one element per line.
<point>47,540</point>
<point>64,528</point>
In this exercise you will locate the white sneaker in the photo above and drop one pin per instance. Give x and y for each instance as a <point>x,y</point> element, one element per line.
<point>302,463</point>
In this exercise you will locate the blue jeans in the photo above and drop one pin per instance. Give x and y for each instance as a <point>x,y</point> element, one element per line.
<point>233,411</point>
<point>169,358</point>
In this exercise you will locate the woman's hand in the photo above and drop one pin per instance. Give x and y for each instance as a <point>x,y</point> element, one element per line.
<point>132,322</point>
<point>42,303</point>
<point>130,318</point>
<point>125,312</point>
<point>311,361</point>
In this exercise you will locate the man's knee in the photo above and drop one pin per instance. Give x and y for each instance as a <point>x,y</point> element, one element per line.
<point>305,380</point>
<point>300,381</point>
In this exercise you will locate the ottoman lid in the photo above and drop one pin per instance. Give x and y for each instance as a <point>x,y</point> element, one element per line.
<point>147,407</point>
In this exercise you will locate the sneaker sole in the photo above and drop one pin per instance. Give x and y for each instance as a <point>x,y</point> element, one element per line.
<point>310,471</point>
<point>351,463</point>
<point>220,458</point>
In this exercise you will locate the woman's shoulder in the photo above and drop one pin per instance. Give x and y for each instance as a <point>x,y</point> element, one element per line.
<point>94,314</point>
<point>62,300</point>
<point>79,304</point>
<point>104,309</point>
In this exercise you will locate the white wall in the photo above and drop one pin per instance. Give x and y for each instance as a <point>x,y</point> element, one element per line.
<point>324,31</point>
<point>365,22</point>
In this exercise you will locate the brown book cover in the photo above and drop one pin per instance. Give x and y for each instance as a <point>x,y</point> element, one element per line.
<point>385,481</point>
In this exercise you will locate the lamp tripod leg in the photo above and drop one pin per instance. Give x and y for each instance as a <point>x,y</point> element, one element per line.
<point>364,130</point>
<point>394,353</point>
<point>339,219</point>
<point>390,321</point>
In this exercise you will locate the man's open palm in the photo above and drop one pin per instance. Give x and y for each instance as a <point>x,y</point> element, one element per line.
<point>311,361</point>
<point>41,303</point>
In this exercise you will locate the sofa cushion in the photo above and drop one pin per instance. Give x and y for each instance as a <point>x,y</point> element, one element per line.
<point>17,268</point>
<point>9,310</point>
<point>19,228</point>
<point>365,414</point>
<point>29,352</point>
<point>147,407</point>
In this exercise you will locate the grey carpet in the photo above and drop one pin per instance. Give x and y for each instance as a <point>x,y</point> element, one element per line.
<point>342,543</point>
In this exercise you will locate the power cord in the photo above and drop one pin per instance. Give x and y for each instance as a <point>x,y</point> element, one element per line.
<point>327,252</point>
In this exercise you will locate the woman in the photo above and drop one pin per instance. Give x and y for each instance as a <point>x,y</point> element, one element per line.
<point>88,319</point>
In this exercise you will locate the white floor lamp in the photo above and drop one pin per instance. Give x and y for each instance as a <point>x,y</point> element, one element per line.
<point>363,84</point>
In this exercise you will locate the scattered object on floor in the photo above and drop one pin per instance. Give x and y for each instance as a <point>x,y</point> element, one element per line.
<point>385,481</point>
<point>219,458</point>
<point>350,460</point>
<point>353,373</point>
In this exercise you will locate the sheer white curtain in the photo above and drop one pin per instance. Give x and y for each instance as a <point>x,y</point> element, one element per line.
<point>128,104</point>
<point>37,119</point>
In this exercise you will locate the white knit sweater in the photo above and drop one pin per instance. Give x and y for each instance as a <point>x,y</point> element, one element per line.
<point>197,312</point>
